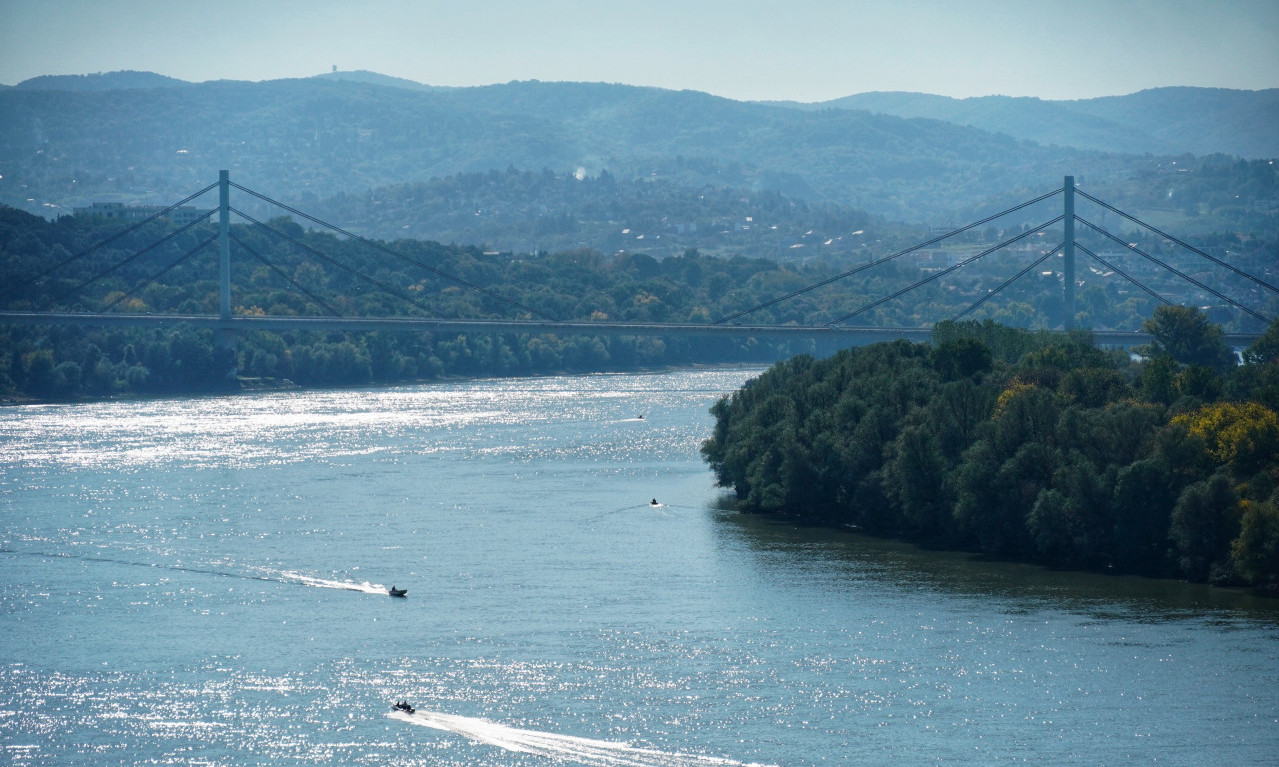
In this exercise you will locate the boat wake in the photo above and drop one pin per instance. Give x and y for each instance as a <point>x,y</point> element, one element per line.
<point>325,583</point>
<point>261,574</point>
<point>130,563</point>
<point>587,751</point>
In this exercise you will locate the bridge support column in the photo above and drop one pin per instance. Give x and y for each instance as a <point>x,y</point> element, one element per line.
<point>224,338</point>
<point>1068,256</point>
<point>224,244</point>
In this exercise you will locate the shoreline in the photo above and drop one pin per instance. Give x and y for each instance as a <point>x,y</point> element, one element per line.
<point>725,503</point>
<point>255,385</point>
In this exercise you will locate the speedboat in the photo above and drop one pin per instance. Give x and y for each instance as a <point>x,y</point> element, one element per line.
<point>403,705</point>
<point>397,592</point>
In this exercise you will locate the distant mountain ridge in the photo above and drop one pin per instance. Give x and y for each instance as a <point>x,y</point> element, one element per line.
<point>1179,120</point>
<point>322,136</point>
<point>373,78</point>
<point>101,81</point>
<point>129,136</point>
<point>1170,120</point>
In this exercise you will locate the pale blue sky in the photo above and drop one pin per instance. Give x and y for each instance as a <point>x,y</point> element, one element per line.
<point>806,50</point>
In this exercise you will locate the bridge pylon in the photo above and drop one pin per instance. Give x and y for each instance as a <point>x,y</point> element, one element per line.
<point>1068,255</point>
<point>224,337</point>
<point>224,244</point>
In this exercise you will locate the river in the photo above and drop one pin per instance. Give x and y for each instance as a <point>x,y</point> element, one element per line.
<point>202,581</point>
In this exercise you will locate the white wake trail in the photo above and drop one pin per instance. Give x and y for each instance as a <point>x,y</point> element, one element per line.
<point>324,583</point>
<point>588,751</point>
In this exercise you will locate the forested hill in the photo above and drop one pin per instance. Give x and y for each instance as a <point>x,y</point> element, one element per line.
<point>1168,121</point>
<point>289,138</point>
<point>70,141</point>
<point>1032,446</point>
<point>101,81</point>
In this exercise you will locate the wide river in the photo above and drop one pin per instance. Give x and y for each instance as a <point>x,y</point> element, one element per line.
<point>202,581</point>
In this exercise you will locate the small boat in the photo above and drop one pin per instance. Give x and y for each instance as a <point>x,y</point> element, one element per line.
<point>397,592</point>
<point>403,705</point>
<point>654,503</point>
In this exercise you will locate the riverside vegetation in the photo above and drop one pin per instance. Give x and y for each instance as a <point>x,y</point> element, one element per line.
<point>38,271</point>
<point>41,268</point>
<point>1028,445</point>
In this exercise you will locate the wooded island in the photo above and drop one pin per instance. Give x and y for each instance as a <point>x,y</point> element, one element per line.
<point>1029,445</point>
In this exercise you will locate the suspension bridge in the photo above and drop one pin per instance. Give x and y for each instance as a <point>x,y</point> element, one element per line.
<point>827,337</point>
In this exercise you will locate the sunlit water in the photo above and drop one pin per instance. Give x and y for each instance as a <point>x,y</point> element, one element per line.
<point>203,582</point>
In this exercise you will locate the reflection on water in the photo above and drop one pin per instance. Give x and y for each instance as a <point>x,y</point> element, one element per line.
<point>843,560</point>
<point>201,581</point>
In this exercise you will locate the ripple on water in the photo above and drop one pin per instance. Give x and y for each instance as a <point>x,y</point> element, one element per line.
<point>200,581</point>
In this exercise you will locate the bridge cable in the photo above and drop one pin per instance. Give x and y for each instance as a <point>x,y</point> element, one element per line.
<point>400,256</point>
<point>1124,274</point>
<point>135,256</point>
<point>946,271</point>
<point>1185,245</point>
<point>286,276</point>
<point>884,260</point>
<point>1175,271</point>
<point>109,240</point>
<point>389,289</point>
<point>1009,281</point>
<point>134,291</point>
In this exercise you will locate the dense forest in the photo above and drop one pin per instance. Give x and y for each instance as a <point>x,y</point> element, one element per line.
<point>1029,445</point>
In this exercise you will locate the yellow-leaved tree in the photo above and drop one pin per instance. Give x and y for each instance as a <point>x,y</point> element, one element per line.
<point>1241,435</point>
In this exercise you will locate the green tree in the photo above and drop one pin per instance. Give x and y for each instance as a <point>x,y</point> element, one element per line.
<point>1159,380</point>
<point>37,372</point>
<point>960,358</point>
<point>1256,551</point>
<point>1205,521</point>
<point>1185,334</point>
<point>1264,349</point>
<point>915,477</point>
<point>1142,507</point>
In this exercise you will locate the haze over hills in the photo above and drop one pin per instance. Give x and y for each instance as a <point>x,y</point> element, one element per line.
<point>1158,121</point>
<point>101,81</point>
<point>1171,120</point>
<point>140,137</point>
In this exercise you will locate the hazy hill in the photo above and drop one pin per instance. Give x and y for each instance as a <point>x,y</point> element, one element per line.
<point>320,136</point>
<point>100,81</point>
<point>1159,121</point>
<point>1201,120</point>
<point>139,137</point>
<point>373,78</point>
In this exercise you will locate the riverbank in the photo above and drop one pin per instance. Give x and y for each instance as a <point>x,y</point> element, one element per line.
<point>261,384</point>
<point>946,550</point>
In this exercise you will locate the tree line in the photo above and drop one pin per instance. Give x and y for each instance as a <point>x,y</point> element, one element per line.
<point>281,269</point>
<point>1036,446</point>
